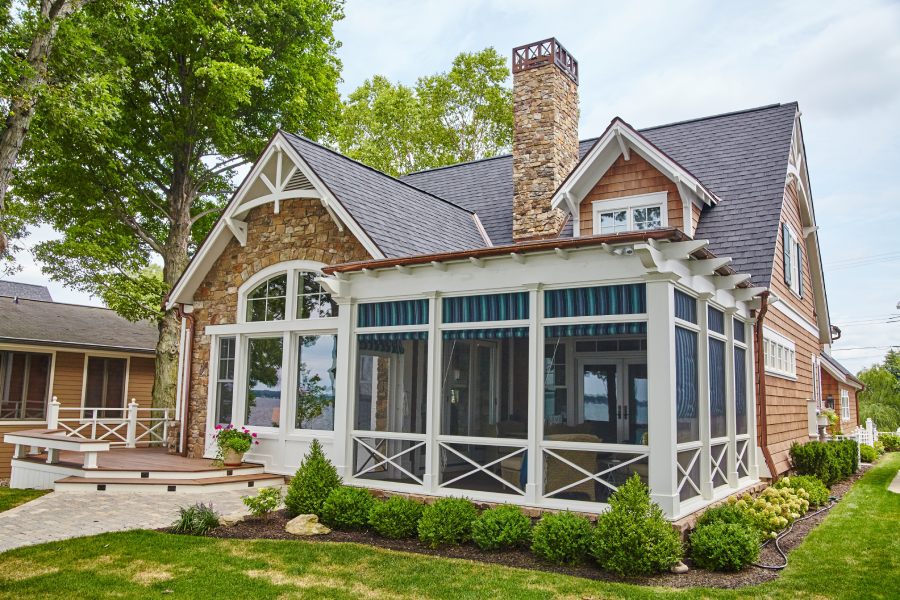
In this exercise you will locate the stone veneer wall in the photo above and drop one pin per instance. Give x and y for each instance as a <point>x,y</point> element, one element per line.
<point>303,230</point>
<point>545,147</point>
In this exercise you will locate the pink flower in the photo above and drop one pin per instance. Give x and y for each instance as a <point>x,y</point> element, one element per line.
<point>257,442</point>
<point>218,427</point>
<point>254,435</point>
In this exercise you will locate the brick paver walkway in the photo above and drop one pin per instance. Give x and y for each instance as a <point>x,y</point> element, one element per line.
<point>62,515</point>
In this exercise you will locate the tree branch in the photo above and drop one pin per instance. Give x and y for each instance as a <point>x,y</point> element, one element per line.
<point>199,216</point>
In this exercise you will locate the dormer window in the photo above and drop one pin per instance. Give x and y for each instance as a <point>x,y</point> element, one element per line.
<point>632,213</point>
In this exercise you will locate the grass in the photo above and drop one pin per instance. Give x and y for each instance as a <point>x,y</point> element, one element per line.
<point>10,498</point>
<point>855,553</point>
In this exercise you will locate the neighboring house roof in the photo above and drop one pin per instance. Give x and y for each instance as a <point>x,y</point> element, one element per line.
<point>29,291</point>
<point>848,376</point>
<point>57,324</point>
<point>741,157</point>
<point>401,219</point>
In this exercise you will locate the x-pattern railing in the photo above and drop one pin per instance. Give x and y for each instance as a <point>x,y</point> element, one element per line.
<point>126,426</point>
<point>685,472</point>
<point>598,477</point>
<point>483,468</point>
<point>385,459</point>
<point>715,462</point>
<point>741,457</point>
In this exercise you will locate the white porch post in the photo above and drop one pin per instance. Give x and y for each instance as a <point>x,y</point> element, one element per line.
<point>661,396</point>
<point>131,428</point>
<point>343,413</point>
<point>730,401</point>
<point>53,413</point>
<point>706,485</point>
<point>431,478</point>
<point>535,396</point>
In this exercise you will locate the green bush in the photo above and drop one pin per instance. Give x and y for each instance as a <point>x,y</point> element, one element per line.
<point>562,538</point>
<point>633,537</point>
<point>501,527</point>
<point>447,521</point>
<point>396,518</point>
<point>817,493</point>
<point>198,519</point>
<point>867,453</point>
<point>721,546</point>
<point>726,513</point>
<point>315,479</point>
<point>891,441</point>
<point>264,502</point>
<point>774,509</point>
<point>829,461</point>
<point>347,508</point>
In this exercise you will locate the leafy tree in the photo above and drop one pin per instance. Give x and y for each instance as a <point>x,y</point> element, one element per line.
<point>27,33</point>
<point>463,114</point>
<point>164,101</point>
<point>880,401</point>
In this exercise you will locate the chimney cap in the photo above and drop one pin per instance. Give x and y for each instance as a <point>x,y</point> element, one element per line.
<point>539,54</point>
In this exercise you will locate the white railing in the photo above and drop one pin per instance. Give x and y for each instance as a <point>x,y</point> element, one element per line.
<point>128,426</point>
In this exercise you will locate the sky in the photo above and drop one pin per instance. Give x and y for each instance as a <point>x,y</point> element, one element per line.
<point>657,62</point>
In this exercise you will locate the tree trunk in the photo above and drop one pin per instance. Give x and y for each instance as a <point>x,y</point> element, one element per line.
<point>25,99</point>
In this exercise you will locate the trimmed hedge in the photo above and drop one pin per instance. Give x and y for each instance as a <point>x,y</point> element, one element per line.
<point>501,527</point>
<point>347,508</point>
<point>829,461</point>
<point>867,453</point>
<point>721,546</point>
<point>396,518</point>
<point>890,441</point>
<point>562,538</point>
<point>447,522</point>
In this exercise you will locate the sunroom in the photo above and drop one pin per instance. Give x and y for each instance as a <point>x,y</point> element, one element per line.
<point>543,374</point>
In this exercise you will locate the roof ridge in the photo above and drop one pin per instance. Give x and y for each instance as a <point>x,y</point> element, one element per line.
<point>20,299</point>
<point>40,285</point>
<point>465,162</point>
<point>720,115</point>
<point>374,170</point>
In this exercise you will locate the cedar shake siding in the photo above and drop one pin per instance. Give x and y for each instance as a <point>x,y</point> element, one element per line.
<point>631,178</point>
<point>68,387</point>
<point>302,230</point>
<point>831,396</point>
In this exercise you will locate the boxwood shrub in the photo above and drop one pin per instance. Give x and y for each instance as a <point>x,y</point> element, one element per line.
<point>501,527</point>
<point>562,538</point>
<point>396,518</point>
<point>726,513</point>
<point>890,441</point>
<point>867,453</point>
<point>829,461</point>
<point>721,546</point>
<point>447,521</point>
<point>347,508</point>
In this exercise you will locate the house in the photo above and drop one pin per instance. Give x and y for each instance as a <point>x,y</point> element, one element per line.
<point>838,389</point>
<point>531,328</point>
<point>92,361</point>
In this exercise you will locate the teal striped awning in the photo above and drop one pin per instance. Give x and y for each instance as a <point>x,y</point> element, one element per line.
<point>486,307</point>
<point>501,333</point>
<point>393,314</point>
<point>596,329</point>
<point>600,300</point>
<point>392,342</point>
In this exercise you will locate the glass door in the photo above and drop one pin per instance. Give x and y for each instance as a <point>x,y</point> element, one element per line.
<point>599,399</point>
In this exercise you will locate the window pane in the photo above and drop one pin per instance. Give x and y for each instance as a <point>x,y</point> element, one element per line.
<point>225,381</point>
<point>715,320</point>
<point>484,383</point>
<point>275,309</point>
<point>264,381</point>
<point>740,389</point>
<point>647,218</point>
<point>105,387</point>
<point>613,222</point>
<point>687,401</point>
<point>24,382</point>
<point>391,382</point>
<point>266,302</point>
<point>313,302</point>
<point>316,369</point>
<point>115,381</point>
<point>717,406</point>
<point>739,332</point>
<point>685,307</point>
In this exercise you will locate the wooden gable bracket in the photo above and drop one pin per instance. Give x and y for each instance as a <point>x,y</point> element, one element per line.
<point>653,259</point>
<point>440,266</point>
<point>334,217</point>
<point>337,287</point>
<point>682,250</point>
<point>238,229</point>
<point>729,282</point>
<point>626,151</point>
<point>518,257</point>
<point>709,266</point>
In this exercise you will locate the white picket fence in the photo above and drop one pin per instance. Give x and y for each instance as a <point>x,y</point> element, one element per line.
<point>129,426</point>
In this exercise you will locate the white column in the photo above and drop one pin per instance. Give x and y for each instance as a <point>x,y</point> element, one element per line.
<point>662,435</point>
<point>131,428</point>
<point>53,413</point>
<point>343,400</point>
<point>535,394</point>
<point>730,401</point>
<point>431,479</point>
<point>706,485</point>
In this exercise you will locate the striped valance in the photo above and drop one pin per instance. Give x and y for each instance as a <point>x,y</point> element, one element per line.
<point>393,314</point>
<point>486,307</point>
<point>597,329</point>
<point>601,300</point>
<point>501,333</point>
<point>685,307</point>
<point>392,342</point>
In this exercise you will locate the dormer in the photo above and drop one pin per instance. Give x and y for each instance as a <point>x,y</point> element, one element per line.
<point>625,183</point>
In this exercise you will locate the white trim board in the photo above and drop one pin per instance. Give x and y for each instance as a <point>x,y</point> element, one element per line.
<point>794,315</point>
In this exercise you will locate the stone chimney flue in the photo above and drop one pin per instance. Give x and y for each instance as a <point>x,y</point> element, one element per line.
<point>545,138</point>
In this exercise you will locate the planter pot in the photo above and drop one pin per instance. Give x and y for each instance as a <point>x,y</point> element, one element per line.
<point>821,420</point>
<point>232,458</point>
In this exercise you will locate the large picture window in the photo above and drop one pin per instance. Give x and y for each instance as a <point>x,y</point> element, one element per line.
<point>263,407</point>
<point>105,384</point>
<point>316,371</point>
<point>24,385</point>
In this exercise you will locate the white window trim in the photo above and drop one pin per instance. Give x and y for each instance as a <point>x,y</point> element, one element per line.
<point>845,405</point>
<point>629,204</point>
<point>796,274</point>
<point>291,269</point>
<point>782,350</point>
<point>49,395</point>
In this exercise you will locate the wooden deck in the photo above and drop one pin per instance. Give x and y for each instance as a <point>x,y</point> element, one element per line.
<point>139,459</point>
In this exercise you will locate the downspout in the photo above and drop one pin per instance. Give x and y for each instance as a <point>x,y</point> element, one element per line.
<point>761,384</point>
<point>186,383</point>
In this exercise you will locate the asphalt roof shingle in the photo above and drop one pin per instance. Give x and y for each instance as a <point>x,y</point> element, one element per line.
<point>741,157</point>
<point>55,323</point>
<point>401,219</point>
<point>30,291</point>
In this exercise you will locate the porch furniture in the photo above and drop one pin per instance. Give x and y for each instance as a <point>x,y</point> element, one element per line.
<point>54,441</point>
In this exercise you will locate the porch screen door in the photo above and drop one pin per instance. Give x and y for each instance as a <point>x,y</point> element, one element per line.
<point>599,404</point>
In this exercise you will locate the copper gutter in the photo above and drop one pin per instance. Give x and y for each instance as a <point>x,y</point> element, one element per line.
<point>186,384</point>
<point>761,384</point>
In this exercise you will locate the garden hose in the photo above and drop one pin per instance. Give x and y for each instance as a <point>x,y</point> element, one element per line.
<point>783,554</point>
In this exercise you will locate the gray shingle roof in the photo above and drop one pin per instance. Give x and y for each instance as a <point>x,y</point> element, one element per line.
<point>55,323</point>
<point>14,289</point>
<point>741,157</point>
<point>401,219</point>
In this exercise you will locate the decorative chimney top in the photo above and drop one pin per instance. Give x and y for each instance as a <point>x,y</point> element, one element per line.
<point>538,54</point>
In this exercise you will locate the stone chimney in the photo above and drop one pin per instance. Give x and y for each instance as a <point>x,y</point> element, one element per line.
<point>545,138</point>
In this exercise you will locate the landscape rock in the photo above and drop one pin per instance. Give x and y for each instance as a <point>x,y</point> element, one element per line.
<point>679,568</point>
<point>306,525</point>
<point>232,519</point>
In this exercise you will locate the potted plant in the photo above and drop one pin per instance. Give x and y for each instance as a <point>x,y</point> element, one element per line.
<point>232,444</point>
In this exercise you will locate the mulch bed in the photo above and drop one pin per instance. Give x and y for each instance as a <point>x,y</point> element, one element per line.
<point>272,527</point>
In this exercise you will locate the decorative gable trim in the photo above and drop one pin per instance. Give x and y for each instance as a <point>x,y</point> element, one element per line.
<point>621,139</point>
<point>280,173</point>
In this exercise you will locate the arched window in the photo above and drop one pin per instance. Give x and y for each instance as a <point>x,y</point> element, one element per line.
<point>267,301</point>
<point>313,302</point>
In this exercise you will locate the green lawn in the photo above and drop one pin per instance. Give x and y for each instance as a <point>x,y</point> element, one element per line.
<point>855,553</point>
<point>13,498</point>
